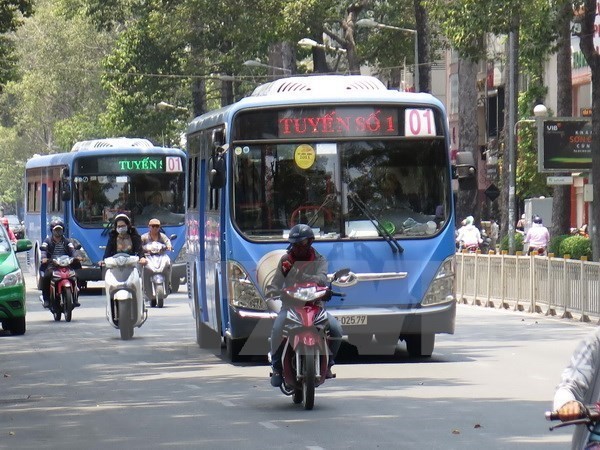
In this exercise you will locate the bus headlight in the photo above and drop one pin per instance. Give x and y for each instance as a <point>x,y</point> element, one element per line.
<point>85,259</point>
<point>242,292</point>
<point>441,289</point>
<point>12,279</point>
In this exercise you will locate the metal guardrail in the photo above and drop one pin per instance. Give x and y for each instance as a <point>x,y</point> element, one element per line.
<point>542,284</point>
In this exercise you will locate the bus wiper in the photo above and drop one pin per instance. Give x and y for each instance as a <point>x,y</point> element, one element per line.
<point>387,236</point>
<point>328,199</point>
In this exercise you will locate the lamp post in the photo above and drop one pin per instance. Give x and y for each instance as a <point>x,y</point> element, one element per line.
<point>310,43</point>
<point>257,63</point>
<point>539,112</point>
<point>370,23</point>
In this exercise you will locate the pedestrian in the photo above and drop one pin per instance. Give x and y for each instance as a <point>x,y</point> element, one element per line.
<point>494,233</point>
<point>521,224</point>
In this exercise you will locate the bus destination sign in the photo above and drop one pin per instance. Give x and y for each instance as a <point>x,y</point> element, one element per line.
<point>128,164</point>
<point>307,123</point>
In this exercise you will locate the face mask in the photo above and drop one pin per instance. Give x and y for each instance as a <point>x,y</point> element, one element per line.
<point>57,233</point>
<point>121,230</point>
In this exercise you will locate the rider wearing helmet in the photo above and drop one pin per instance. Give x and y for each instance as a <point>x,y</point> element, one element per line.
<point>124,238</point>
<point>54,246</point>
<point>300,264</point>
<point>537,236</point>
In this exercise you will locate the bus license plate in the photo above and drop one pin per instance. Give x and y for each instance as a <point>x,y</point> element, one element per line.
<point>352,320</point>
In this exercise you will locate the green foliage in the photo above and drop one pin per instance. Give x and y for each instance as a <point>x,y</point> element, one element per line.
<point>555,242</point>
<point>518,242</point>
<point>576,246</point>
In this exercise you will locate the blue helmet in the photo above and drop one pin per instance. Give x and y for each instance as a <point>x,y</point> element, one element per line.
<point>300,232</point>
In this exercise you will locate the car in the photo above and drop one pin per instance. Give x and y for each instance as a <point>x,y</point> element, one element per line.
<point>12,284</point>
<point>16,226</point>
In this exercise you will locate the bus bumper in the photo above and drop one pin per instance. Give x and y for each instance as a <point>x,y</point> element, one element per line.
<point>397,321</point>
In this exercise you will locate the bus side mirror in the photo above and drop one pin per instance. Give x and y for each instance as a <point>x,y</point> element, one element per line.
<point>216,172</point>
<point>65,193</point>
<point>464,167</point>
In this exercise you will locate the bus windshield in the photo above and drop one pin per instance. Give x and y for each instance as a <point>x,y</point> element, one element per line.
<point>349,189</point>
<point>151,192</point>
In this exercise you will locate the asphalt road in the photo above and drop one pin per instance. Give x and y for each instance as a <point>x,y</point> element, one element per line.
<point>78,386</point>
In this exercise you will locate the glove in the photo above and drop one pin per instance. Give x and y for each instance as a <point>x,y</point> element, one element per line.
<point>286,266</point>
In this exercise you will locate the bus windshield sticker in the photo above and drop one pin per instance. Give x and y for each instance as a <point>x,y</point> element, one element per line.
<point>122,179</point>
<point>327,148</point>
<point>419,122</point>
<point>304,156</point>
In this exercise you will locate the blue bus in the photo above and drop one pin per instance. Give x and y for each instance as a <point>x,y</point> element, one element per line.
<point>98,179</point>
<point>366,167</point>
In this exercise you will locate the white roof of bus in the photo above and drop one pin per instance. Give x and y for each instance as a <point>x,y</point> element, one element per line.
<point>120,142</point>
<point>305,90</point>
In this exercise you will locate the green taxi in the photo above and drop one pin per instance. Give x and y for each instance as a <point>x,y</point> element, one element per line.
<point>12,284</point>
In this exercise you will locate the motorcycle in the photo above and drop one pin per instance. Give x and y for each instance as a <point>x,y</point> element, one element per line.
<point>590,417</point>
<point>156,273</point>
<point>125,308</point>
<point>305,357</point>
<point>63,288</point>
<point>541,251</point>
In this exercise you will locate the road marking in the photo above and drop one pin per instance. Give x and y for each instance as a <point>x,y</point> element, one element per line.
<point>269,425</point>
<point>314,448</point>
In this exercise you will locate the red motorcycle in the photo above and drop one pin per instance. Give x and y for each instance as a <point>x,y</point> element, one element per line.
<point>63,288</point>
<point>306,355</point>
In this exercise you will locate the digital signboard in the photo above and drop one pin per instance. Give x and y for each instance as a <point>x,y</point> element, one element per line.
<point>565,145</point>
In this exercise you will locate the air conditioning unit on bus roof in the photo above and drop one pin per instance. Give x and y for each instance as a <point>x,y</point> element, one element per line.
<point>96,144</point>
<point>321,83</point>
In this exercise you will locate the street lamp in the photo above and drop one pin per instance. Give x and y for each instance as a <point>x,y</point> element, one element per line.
<point>310,43</point>
<point>370,23</point>
<point>539,111</point>
<point>257,63</point>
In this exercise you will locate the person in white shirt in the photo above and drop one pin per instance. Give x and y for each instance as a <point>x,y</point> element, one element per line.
<point>537,237</point>
<point>469,235</point>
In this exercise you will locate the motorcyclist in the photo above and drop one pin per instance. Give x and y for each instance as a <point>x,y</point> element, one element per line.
<point>124,238</point>
<point>54,246</point>
<point>469,235</point>
<point>155,235</point>
<point>537,236</point>
<point>300,264</point>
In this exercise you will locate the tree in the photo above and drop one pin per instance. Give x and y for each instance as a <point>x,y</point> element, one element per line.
<point>586,14</point>
<point>12,14</point>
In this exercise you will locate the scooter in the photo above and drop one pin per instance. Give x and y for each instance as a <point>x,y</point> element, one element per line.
<point>156,273</point>
<point>125,308</point>
<point>63,288</point>
<point>305,357</point>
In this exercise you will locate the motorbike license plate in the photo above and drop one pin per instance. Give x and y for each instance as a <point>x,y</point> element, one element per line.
<point>352,320</point>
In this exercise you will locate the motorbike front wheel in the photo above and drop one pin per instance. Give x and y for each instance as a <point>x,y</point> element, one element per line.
<point>67,296</point>
<point>309,375</point>
<point>125,320</point>
<point>160,295</point>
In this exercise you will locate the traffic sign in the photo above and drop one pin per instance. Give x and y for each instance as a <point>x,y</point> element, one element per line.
<point>492,192</point>
<point>557,181</point>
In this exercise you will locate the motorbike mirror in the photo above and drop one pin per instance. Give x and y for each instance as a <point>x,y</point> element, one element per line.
<point>173,237</point>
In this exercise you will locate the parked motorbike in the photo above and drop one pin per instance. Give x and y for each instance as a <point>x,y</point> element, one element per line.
<point>125,308</point>
<point>305,357</point>
<point>156,273</point>
<point>63,288</point>
<point>590,417</point>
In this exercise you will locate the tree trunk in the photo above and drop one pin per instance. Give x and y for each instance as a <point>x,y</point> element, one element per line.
<point>592,57</point>
<point>282,59</point>
<point>424,63</point>
<point>561,197</point>
<point>467,113</point>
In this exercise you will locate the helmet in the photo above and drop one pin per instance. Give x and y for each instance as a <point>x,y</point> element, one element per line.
<point>469,220</point>
<point>537,219</point>
<point>299,233</point>
<point>56,223</point>
<point>123,217</point>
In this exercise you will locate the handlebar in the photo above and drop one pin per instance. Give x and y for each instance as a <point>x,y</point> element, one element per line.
<point>590,415</point>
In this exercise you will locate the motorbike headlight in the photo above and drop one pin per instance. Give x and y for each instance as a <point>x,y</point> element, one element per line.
<point>12,279</point>
<point>242,292</point>
<point>442,288</point>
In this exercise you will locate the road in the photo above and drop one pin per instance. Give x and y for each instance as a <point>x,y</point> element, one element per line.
<point>78,386</point>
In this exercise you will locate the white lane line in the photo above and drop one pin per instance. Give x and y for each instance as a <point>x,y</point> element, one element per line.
<point>226,403</point>
<point>314,448</point>
<point>269,425</point>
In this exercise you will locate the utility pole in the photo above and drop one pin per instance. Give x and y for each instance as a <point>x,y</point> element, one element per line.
<point>512,92</point>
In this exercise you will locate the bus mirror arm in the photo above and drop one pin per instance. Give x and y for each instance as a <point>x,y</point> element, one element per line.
<point>216,175</point>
